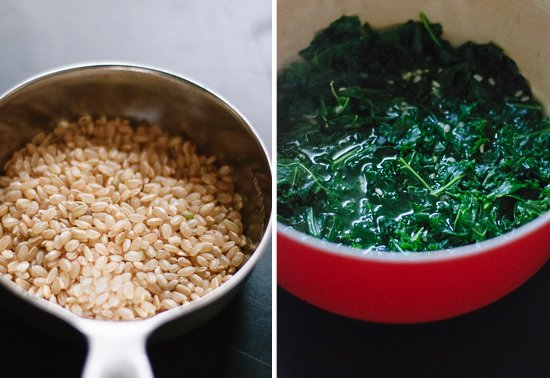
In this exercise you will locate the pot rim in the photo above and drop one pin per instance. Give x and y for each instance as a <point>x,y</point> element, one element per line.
<point>470,250</point>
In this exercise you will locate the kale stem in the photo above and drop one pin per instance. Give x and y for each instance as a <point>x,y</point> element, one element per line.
<point>447,185</point>
<point>341,101</point>
<point>417,234</point>
<point>324,111</point>
<point>426,24</point>
<point>524,106</point>
<point>312,176</point>
<point>411,169</point>
<point>294,177</point>
<point>331,228</point>
<point>396,245</point>
<point>345,155</point>
<point>458,215</point>
<point>426,185</point>
<point>334,92</point>
<point>311,222</point>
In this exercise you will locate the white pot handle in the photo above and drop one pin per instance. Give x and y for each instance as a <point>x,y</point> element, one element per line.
<point>117,352</point>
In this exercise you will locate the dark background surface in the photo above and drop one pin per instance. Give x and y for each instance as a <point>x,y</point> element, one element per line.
<point>224,45</point>
<point>509,338</point>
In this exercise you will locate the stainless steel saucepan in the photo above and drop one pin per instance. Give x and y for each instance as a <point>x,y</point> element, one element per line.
<point>117,348</point>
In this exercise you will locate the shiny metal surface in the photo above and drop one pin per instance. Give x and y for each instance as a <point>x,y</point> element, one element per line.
<point>179,106</point>
<point>182,108</point>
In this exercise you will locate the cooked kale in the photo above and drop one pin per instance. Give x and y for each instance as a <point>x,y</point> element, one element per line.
<point>398,141</point>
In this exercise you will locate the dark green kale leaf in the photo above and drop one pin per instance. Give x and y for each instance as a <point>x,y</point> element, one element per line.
<point>397,141</point>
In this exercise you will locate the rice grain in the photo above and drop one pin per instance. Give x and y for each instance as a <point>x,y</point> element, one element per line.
<point>114,222</point>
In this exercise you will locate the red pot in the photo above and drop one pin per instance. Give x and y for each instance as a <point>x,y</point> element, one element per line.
<point>409,287</point>
<point>405,288</point>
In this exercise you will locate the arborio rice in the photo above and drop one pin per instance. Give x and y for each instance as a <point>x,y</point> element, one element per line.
<point>116,222</point>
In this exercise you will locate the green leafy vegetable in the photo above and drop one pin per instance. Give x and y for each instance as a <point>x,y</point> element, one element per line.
<point>397,141</point>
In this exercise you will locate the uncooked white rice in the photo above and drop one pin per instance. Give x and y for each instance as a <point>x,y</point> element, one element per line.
<point>118,222</point>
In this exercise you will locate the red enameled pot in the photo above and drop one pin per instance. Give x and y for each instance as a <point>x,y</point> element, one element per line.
<point>409,287</point>
<point>427,286</point>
